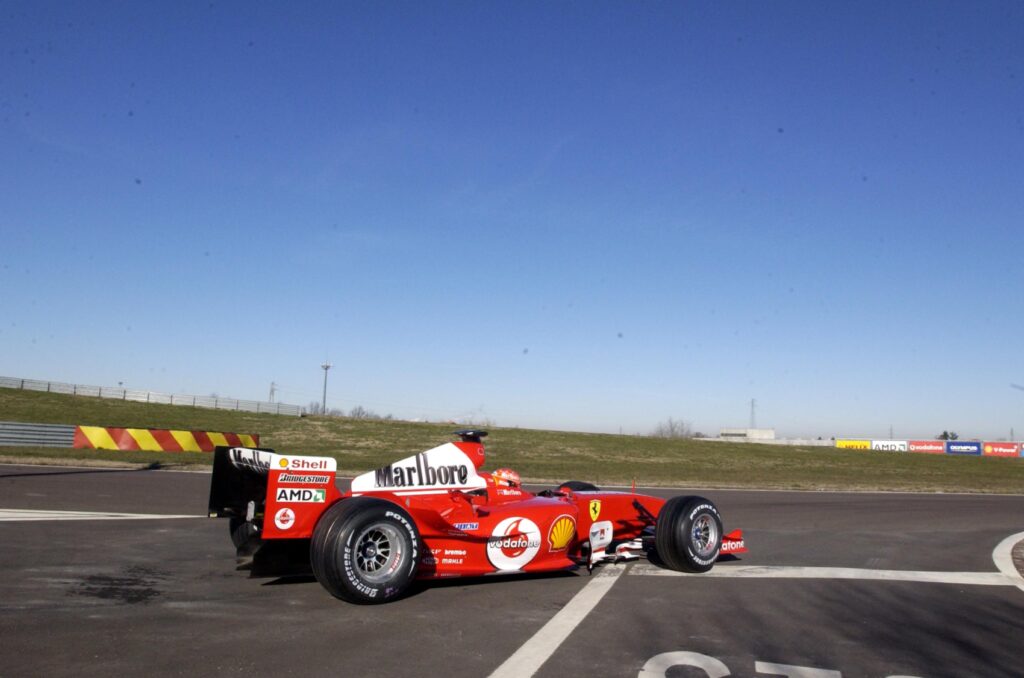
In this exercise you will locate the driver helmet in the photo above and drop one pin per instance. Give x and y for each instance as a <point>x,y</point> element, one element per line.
<point>506,477</point>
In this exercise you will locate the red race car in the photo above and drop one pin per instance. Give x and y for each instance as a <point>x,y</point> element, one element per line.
<point>436,515</point>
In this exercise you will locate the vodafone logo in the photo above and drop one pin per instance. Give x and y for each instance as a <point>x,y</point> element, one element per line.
<point>284,519</point>
<point>513,543</point>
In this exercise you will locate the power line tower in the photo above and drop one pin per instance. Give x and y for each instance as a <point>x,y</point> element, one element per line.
<point>273,387</point>
<point>323,406</point>
<point>753,413</point>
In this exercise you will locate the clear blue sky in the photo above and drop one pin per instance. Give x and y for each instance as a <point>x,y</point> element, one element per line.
<point>563,215</point>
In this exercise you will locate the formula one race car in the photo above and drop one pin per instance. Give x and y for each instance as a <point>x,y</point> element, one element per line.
<point>434,516</point>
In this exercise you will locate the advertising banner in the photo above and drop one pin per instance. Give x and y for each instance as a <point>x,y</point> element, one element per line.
<point>927,446</point>
<point>889,445</point>
<point>853,444</point>
<point>963,447</point>
<point>1001,449</point>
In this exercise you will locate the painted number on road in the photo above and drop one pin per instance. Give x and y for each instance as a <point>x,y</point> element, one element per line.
<point>658,666</point>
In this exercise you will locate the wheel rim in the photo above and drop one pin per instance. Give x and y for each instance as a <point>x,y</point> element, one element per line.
<point>704,535</point>
<point>378,552</point>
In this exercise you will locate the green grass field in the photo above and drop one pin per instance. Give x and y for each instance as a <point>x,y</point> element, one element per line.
<point>553,456</point>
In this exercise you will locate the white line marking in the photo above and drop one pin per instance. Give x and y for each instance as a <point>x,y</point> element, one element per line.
<point>783,572</point>
<point>528,659</point>
<point>1003,558</point>
<point>16,515</point>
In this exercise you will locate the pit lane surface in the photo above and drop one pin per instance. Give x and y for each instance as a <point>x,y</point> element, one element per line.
<point>107,595</point>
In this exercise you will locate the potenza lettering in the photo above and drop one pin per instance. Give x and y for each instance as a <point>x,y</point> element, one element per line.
<point>421,474</point>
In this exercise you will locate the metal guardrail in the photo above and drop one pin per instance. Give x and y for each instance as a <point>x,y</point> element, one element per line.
<point>213,402</point>
<point>36,435</point>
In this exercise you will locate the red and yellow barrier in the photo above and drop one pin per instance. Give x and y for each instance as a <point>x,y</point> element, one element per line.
<point>158,440</point>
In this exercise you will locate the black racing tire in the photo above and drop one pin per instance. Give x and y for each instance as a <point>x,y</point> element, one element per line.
<point>688,535</point>
<point>579,486</point>
<point>244,535</point>
<point>365,550</point>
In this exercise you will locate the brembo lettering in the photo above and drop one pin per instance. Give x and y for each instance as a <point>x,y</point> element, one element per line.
<point>422,474</point>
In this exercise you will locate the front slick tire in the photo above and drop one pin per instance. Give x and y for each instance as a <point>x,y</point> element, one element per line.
<point>688,536</point>
<point>365,550</point>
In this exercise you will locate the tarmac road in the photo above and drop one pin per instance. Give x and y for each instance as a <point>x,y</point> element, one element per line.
<point>834,585</point>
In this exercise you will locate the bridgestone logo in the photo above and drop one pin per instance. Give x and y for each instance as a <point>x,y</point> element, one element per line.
<point>305,480</point>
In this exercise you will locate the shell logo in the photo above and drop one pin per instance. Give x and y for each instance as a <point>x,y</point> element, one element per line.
<point>283,463</point>
<point>561,533</point>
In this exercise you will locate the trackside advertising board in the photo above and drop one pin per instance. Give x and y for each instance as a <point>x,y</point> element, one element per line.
<point>960,447</point>
<point>963,447</point>
<point>927,446</point>
<point>1001,449</point>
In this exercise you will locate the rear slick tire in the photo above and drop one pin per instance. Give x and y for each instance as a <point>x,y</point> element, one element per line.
<point>688,535</point>
<point>365,550</point>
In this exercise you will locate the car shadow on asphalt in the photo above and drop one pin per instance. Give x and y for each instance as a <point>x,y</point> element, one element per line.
<point>421,586</point>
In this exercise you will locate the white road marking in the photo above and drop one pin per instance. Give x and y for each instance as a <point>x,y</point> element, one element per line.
<point>528,659</point>
<point>784,572</point>
<point>1002,556</point>
<point>658,665</point>
<point>17,515</point>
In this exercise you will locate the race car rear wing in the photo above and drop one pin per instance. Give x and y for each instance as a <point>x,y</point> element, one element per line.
<point>239,477</point>
<point>282,496</point>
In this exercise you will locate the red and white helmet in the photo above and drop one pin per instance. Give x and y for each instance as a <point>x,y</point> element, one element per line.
<point>506,477</point>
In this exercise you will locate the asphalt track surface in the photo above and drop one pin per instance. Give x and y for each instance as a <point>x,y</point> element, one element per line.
<point>835,585</point>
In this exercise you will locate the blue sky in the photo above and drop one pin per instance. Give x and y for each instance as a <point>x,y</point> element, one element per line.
<point>588,216</point>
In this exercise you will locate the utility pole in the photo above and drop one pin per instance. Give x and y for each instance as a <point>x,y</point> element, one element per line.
<point>753,415</point>
<point>326,366</point>
<point>273,387</point>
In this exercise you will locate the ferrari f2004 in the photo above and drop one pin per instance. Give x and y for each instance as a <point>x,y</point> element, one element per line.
<point>437,515</point>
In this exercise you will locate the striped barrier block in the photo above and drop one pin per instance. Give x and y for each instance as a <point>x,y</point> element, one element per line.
<point>158,440</point>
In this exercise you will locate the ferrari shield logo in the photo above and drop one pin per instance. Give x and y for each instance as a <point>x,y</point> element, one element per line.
<point>595,508</point>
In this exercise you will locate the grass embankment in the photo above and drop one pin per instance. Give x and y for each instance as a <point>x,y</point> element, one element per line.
<point>538,455</point>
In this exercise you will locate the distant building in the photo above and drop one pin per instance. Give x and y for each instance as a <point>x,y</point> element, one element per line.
<point>747,433</point>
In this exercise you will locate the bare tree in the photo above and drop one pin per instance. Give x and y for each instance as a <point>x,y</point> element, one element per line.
<point>673,428</point>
